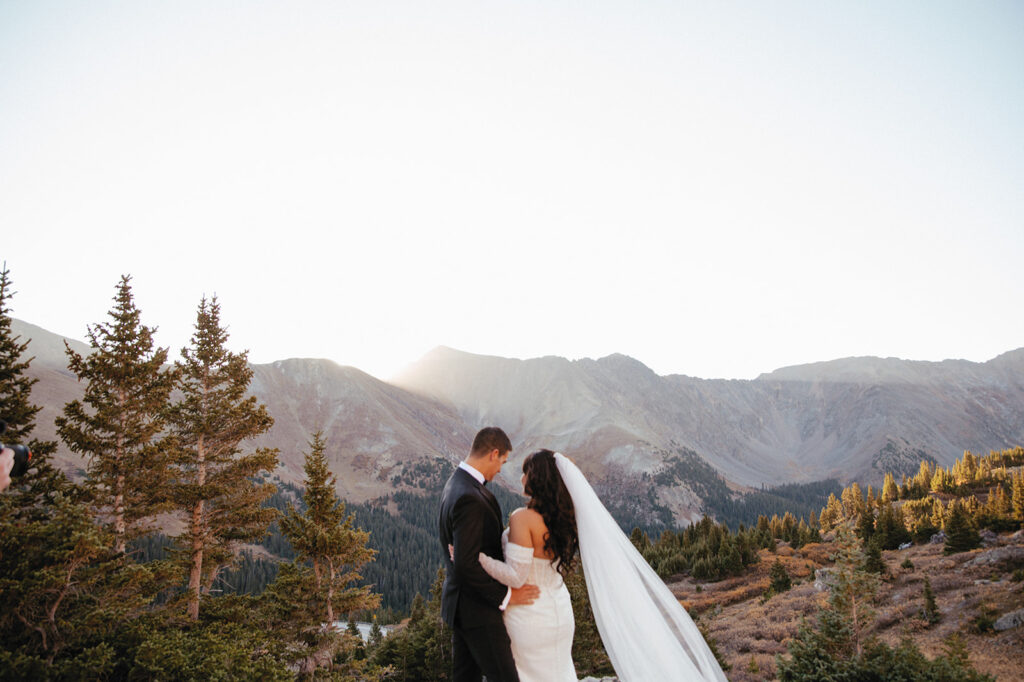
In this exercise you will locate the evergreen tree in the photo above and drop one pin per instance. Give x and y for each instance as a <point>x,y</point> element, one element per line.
<point>118,422</point>
<point>853,591</point>
<point>306,596</point>
<point>19,413</point>
<point>866,524</point>
<point>853,501</point>
<point>215,487</point>
<point>66,593</point>
<point>359,650</point>
<point>939,513</point>
<point>421,651</point>
<point>826,652</point>
<point>325,536</point>
<point>780,580</point>
<point>923,480</point>
<point>873,557</point>
<point>931,609</point>
<point>640,540</point>
<point>832,513</point>
<point>1017,497</point>
<point>890,527</point>
<point>943,481</point>
<point>890,491</point>
<point>376,634</point>
<point>16,408</point>
<point>62,588</point>
<point>960,533</point>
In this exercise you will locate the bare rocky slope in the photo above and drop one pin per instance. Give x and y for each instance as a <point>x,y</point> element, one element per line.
<point>850,419</point>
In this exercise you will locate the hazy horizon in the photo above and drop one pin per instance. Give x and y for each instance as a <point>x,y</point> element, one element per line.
<point>174,354</point>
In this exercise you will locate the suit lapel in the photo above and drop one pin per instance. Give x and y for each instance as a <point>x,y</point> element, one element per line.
<point>487,494</point>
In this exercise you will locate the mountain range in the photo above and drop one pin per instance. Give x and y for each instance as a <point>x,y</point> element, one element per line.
<point>850,419</point>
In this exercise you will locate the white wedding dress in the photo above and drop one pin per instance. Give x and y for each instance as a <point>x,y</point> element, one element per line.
<point>541,632</point>
<point>646,632</point>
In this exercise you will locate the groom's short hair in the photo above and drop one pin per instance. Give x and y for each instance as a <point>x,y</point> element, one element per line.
<point>490,438</point>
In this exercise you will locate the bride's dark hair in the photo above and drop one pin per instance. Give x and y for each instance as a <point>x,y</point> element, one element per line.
<point>550,499</point>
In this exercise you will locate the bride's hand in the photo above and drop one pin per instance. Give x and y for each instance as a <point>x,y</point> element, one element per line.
<point>451,552</point>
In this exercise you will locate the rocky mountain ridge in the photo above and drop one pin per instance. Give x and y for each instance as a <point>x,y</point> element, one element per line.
<point>853,418</point>
<point>381,438</point>
<point>850,419</point>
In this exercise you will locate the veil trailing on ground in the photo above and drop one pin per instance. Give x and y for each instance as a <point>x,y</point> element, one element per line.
<point>647,633</point>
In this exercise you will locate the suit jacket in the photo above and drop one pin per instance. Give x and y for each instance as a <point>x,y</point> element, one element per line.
<point>470,519</point>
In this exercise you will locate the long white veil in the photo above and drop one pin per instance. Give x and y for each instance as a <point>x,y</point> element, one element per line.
<point>645,630</point>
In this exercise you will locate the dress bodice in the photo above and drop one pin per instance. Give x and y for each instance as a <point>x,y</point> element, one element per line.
<point>543,573</point>
<point>541,633</point>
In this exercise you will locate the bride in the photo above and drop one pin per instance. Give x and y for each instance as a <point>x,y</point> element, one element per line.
<point>645,631</point>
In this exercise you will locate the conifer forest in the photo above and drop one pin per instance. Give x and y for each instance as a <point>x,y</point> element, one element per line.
<point>256,573</point>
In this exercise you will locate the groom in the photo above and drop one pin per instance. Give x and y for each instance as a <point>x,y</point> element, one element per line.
<point>472,601</point>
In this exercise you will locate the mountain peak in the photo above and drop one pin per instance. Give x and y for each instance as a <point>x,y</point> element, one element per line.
<point>624,363</point>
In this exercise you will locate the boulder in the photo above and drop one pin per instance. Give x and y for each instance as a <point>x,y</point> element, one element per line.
<point>1013,619</point>
<point>938,539</point>
<point>997,556</point>
<point>988,538</point>
<point>823,579</point>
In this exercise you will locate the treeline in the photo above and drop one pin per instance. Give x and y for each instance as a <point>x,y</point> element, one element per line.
<point>89,592</point>
<point>801,500</point>
<point>708,550</point>
<point>978,492</point>
<point>633,499</point>
<point>685,467</point>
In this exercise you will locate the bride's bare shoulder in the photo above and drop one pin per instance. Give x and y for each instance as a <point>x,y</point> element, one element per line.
<point>525,516</point>
<point>520,514</point>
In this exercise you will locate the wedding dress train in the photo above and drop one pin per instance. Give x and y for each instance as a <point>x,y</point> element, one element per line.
<point>645,630</point>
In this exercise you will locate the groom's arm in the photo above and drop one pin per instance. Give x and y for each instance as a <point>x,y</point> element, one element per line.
<point>526,594</point>
<point>468,519</point>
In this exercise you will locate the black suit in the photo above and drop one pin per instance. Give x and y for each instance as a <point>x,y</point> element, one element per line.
<point>470,520</point>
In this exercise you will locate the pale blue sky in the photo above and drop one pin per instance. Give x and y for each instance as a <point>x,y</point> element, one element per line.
<point>716,189</point>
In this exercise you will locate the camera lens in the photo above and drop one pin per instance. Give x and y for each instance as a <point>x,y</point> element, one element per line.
<point>22,456</point>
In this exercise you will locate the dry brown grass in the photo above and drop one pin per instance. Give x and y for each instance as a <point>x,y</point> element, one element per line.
<point>746,628</point>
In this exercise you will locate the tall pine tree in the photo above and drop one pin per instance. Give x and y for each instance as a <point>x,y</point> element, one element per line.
<point>1017,496</point>
<point>961,535</point>
<point>118,422</point>
<point>310,593</point>
<point>215,486</point>
<point>325,537</point>
<point>16,408</point>
<point>63,589</point>
<point>890,491</point>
